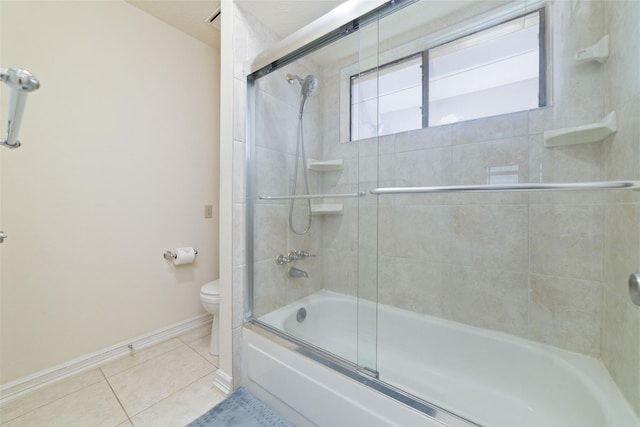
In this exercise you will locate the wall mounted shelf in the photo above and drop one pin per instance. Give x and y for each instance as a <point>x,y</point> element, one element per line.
<point>327,209</point>
<point>599,52</point>
<point>584,134</point>
<point>325,165</point>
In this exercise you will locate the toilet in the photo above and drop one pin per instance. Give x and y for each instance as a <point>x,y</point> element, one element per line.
<point>210,298</point>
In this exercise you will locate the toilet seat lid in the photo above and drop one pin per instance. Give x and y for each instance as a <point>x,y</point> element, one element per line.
<point>211,288</point>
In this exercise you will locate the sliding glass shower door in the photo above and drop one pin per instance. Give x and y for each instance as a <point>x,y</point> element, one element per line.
<point>313,225</point>
<point>437,201</point>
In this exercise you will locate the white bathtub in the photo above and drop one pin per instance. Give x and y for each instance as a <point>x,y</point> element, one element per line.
<point>490,378</point>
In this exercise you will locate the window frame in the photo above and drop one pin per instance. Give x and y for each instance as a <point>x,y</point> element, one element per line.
<point>542,71</point>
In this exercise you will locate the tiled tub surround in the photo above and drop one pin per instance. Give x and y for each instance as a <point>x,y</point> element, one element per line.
<point>169,384</point>
<point>500,261</point>
<point>550,267</point>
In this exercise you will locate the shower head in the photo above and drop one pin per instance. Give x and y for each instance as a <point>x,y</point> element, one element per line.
<point>309,84</point>
<point>308,87</point>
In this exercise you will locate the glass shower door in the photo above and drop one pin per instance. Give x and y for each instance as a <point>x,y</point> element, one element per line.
<point>313,228</point>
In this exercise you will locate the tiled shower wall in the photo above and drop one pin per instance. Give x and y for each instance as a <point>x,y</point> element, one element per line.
<point>551,267</point>
<point>276,136</point>
<point>621,319</point>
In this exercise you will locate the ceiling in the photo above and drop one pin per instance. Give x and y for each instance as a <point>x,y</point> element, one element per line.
<point>187,16</point>
<point>283,17</point>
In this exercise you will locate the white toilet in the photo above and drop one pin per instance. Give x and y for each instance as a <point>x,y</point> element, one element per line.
<point>210,298</point>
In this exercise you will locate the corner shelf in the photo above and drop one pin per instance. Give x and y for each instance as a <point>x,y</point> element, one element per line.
<point>325,165</point>
<point>584,134</point>
<point>327,209</point>
<point>599,52</point>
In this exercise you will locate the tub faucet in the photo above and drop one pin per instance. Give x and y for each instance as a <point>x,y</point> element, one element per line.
<point>296,272</point>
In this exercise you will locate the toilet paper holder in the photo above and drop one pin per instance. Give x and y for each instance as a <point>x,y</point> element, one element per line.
<point>170,255</point>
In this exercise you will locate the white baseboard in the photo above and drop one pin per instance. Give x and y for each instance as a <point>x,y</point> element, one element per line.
<point>223,381</point>
<point>22,386</point>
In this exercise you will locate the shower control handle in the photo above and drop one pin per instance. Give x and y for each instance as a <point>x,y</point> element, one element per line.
<point>305,254</point>
<point>293,256</point>
<point>296,255</point>
<point>282,260</point>
<point>2,236</point>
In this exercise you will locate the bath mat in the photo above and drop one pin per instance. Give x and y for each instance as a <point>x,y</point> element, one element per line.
<point>240,409</point>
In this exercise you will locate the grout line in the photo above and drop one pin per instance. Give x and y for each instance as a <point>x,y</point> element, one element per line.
<point>138,363</point>
<point>164,398</point>
<point>195,350</point>
<point>175,392</point>
<point>48,402</point>
<point>116,396</point>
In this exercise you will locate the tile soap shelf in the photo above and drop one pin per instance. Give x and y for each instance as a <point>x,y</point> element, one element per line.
<point>584,134</point>
<point>327,209</point>
<point>325,165</point>
<point>599,52</point>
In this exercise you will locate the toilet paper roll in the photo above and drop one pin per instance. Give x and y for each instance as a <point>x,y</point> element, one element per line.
<point>184,256</point>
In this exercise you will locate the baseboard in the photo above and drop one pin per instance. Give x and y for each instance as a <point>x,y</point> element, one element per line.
<point>222,381</point>
<point>22,386</point>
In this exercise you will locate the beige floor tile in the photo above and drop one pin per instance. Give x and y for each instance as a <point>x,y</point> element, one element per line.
<point>183,406</point>
<point>138,357</point>
<point>145,384</point>
<point>202,345</point>
<point>93,406</point>
<point>48,394</point>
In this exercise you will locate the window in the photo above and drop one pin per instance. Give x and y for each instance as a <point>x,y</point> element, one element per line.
<point>491,72</point>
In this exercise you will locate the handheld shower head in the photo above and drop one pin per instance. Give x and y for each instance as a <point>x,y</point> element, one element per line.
<point>308,87</point>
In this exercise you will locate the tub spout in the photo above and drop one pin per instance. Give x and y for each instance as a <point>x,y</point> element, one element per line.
<point>295,272</point>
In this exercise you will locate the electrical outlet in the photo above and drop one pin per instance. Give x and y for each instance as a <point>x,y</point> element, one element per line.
<point>208,211</point>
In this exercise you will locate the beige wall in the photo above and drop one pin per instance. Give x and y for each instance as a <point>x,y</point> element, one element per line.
<point>119,156</point>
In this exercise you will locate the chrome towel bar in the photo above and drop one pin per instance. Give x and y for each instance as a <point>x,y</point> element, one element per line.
<point>313,196</point>
<point>565,186</point>
<point>21,83</point>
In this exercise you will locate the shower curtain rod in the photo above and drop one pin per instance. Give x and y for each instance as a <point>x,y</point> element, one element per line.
<point>564,186</point>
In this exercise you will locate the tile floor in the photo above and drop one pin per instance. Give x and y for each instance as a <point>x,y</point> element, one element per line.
<point>169,384</point>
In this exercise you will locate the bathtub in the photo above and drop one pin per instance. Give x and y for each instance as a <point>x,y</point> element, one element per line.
<point>486,377</point>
